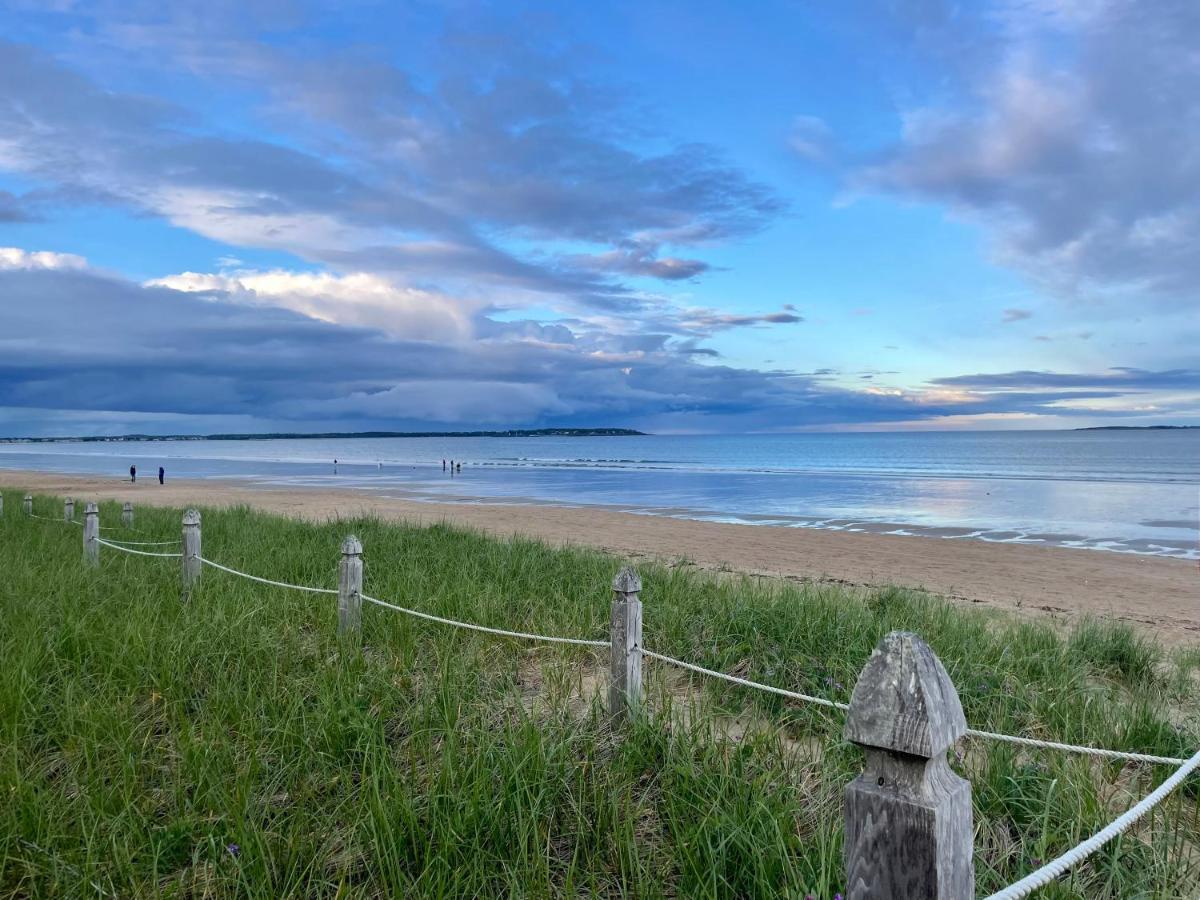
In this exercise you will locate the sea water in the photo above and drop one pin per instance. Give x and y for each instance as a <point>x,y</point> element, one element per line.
<point>1124,491</point>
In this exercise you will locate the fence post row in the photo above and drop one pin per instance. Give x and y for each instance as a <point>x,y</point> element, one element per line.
<point>908,816</point>
<point>190,564</point>
<point>350,578</point>
<point>27,504</point>
<point>91,535</point>
<point>625,674</point>
<point>127,514</point>
<point>69,510</point>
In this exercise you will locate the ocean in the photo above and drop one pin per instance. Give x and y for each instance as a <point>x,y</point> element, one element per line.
<point>1118,491</point>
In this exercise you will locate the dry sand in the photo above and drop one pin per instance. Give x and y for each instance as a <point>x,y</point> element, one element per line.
<point>1161,596</point>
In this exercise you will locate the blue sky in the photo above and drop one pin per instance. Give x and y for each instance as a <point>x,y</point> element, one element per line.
<point>675,216</point>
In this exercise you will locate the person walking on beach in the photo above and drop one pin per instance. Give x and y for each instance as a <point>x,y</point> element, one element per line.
<point>162,473</point>
<point>443,465</point>
<point>133,474</point>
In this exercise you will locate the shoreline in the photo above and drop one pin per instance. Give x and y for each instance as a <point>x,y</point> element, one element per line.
<point>1157,594</point>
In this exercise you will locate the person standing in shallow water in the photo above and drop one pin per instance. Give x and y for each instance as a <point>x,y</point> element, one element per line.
<point>162,473</point>
<point>133,474</point>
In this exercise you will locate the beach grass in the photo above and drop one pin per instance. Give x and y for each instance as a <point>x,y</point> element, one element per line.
<point>231,746</point>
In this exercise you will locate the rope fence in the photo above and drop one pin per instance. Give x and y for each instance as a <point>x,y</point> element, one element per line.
<point>898,653</point>
<point>282,584</point>
<point>582,642</point>
<point>105,543</point>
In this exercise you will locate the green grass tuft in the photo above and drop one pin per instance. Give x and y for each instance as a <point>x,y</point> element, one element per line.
<point>230,747</point>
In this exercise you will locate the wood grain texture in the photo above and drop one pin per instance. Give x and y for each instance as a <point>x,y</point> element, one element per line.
<point>27,504</point>
<point>350,575</point>
<point>625,669</point>
<point>68,510</point>
<point>908,816</point>
<point>190,565</point>
<point>91,535</point>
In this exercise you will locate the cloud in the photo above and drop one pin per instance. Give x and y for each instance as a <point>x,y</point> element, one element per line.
<point>1073,144</point>
<point>1119,377</point>
<point>811,139</point>
<point>12,209</point>
<point>439,181</point>
<point>1016,315</point>
<point>75,339</point>
<point>360,299</point>
<point>16,258</point>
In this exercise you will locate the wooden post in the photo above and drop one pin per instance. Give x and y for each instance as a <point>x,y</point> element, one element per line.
<point>91,535</point>
<point>27,504</point>
<point>69,510</point>
<point>908,816</point>
<point>127,514</point>
<point>1,504</point>
<point>190,564</point>
<point>625,674</point>
<point>350,576</point>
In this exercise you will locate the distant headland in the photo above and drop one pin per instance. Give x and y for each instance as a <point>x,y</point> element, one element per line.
<point>1139,428</point>
<point>338,435</point>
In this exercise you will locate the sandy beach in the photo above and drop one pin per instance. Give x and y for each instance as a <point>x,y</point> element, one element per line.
<point>1160,596</point>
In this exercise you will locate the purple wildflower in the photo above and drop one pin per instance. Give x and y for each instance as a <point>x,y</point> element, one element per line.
<point>233,849</point>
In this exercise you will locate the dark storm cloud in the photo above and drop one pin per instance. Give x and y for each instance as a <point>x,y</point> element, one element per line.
<point>76,340</point>
<point>1115,378</point>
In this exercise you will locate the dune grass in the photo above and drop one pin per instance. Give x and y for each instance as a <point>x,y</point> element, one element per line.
<point>229,746</point>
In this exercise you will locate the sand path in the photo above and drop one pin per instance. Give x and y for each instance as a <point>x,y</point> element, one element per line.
<point>1159,595</point>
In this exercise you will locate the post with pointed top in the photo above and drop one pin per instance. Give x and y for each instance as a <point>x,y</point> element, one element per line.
<point>350,573</point>
<point>625,681</point>
<point>190,564</point>
<point>127,514</point>
<point>27,504</point>
<point>908,816</point>
<point>91,535</point>
<point>69,510</point>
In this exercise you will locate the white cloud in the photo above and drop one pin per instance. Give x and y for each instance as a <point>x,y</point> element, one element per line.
<point>359,298</point>
<point>16,258</point>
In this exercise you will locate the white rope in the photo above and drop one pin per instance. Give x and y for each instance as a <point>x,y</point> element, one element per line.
<point>282,584</point>
<point>500,631</point>
<point>1080,852</point>
<point>821,701</point>
<point>101,540</point>
<point>991,735</point>
<point>1075,748</point>
<point>146,543</point>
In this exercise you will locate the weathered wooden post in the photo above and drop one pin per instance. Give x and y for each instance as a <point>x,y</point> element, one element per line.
<point>91,535</point>
<point>127,514</point>
<point>625,675</point>
<point>69,510</point>
<point>27,504</point>
<point>350,576</point>
<point>908,816</point>
<point>1,504</point>
<point>190,564</point>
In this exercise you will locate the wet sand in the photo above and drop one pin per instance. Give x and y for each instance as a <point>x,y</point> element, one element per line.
<point>1161,596</point>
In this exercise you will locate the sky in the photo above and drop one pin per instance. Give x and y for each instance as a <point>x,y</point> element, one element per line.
<point>678,216</point>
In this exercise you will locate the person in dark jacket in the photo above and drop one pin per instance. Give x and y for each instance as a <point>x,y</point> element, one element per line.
<point>162,473</point>
<point>133,474</point>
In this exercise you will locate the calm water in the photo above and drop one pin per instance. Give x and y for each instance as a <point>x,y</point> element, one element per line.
<point>1135,492</point>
